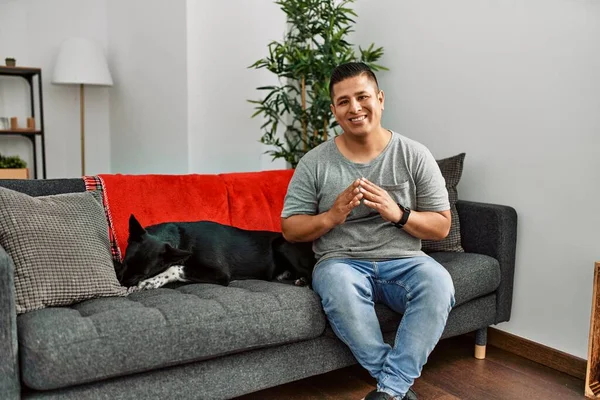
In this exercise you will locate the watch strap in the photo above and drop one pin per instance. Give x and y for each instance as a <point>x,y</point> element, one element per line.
<point>404,219</point>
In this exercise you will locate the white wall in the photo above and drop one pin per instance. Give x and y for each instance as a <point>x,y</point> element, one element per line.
<point>31,31</point>
<point>147,42</point>
<point>224,38</point>
<point>516,85</point>
<point>140,125</point>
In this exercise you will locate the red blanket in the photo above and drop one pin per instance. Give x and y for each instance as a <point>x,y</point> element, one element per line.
<point>249,200</point>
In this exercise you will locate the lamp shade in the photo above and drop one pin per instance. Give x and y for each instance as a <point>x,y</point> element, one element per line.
<point>81,61</point>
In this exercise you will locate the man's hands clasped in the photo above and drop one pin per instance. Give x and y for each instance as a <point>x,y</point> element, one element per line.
<point>372,196</point>
<point>380,200</point>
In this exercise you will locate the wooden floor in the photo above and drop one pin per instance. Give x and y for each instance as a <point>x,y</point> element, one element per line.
<point>451,373</point>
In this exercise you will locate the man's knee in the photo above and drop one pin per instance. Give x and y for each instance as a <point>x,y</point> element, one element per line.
<point>339,281</point>
<point>438,286</point>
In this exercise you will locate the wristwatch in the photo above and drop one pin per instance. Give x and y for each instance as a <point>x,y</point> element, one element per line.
<point>405,214</point>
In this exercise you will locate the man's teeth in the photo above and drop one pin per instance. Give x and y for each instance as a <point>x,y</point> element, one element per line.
<point>357,119</point>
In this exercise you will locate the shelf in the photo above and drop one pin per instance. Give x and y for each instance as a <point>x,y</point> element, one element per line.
<point>20,132</point>
<point>20,71</point>
<point>592,376</point>
<point>33,77</point>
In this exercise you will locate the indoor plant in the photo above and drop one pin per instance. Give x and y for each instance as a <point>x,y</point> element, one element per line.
<point>10,62</point>
<point>13,167</point>
<point>314,44</point>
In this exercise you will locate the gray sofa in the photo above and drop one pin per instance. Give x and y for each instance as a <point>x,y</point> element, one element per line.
<point>201,341</point>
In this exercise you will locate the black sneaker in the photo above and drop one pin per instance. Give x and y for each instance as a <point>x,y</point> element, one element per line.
<point>375,395</point>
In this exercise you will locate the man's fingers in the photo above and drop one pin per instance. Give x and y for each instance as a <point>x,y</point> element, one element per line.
<point>368,194</point>
<point>354,185</point>
<point>355,202</point>
<point>349,195</point>
<point>352,190</point>
<point>364,182</point>
<point>371,204</point>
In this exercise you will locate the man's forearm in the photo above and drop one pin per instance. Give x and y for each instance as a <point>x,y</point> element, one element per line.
<point>305,228</point>
<point>428,225</point>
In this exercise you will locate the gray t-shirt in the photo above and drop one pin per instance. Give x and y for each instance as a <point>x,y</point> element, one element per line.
<point>405,168</point>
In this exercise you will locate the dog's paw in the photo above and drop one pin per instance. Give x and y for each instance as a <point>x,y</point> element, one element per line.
<point>284,275</point>
<point>150,284</point>
<point>301,282</point>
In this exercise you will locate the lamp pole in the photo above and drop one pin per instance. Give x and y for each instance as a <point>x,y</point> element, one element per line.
<point>82,119</point>
<point>81,62</point>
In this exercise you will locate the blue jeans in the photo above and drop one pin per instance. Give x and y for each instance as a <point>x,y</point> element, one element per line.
<point>417,287</point>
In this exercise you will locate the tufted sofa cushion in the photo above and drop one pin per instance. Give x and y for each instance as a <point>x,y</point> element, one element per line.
<point>108,337</point>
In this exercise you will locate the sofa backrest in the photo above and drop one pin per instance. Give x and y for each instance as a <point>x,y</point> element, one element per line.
<point>44,187</point>
<point>256,198</point>
<point>248,200</point>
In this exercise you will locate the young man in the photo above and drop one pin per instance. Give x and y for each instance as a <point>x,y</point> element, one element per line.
<point>366,198</point>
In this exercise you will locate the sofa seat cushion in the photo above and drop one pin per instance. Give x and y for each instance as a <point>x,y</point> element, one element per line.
<point>474,276</point>
<point>114,336</point>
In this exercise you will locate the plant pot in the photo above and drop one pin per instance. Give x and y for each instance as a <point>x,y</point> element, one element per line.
<point>14,173</point>
<point>11,62</point>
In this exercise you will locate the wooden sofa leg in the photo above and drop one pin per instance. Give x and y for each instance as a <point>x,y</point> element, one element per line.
<point>480,343</point>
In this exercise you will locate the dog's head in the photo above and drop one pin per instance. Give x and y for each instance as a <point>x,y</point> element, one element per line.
<point>146,255</point>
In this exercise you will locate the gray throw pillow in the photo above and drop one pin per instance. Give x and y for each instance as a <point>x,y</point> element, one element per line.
<point>451,168</point>
<point>59,245</point>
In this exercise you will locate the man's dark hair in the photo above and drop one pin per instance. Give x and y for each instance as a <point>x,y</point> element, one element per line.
<point>350,70</point>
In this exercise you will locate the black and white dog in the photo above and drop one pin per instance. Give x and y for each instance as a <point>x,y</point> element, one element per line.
<point>209,252</point>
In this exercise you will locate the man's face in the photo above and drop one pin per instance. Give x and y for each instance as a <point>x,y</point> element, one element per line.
<point>357,105</point>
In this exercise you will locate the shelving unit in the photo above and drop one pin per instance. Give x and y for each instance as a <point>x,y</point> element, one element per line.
<point>33,76</point>
<point>592,376</point>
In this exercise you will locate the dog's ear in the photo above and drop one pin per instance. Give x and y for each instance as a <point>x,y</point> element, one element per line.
<point>175,256</point>
<point>136,231</point>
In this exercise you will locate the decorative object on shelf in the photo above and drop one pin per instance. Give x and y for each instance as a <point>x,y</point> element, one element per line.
<point>14,124</point>
<point>10,62</point>
<point>81,62</point>
<point>314,44</point>
<point>4,123</point>
<point>13,167</point>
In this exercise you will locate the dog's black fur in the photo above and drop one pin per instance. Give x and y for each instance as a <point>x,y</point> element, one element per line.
<point>212,253</point>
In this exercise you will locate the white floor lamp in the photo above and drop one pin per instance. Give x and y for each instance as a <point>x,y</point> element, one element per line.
<point>81,62</point>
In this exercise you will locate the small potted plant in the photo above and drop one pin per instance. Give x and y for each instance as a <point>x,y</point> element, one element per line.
<point>10,62</point>
<point>13,167</point>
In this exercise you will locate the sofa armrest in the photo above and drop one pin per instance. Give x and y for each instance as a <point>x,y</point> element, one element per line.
<point>491,229</point>
<point>9,363</point>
